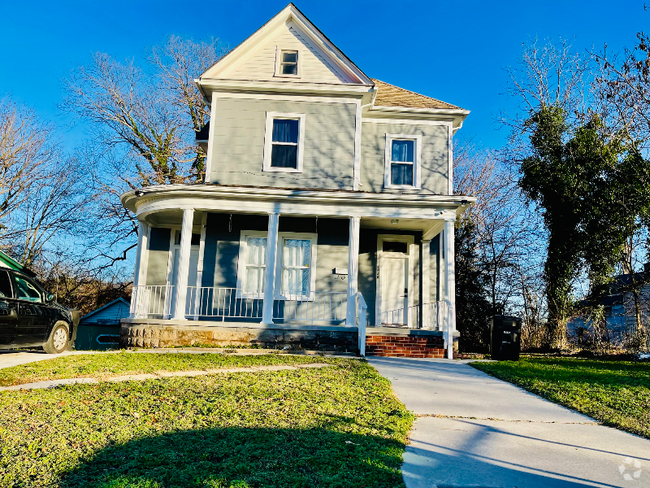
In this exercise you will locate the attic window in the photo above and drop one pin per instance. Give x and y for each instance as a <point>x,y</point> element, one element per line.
<point>287,63</point>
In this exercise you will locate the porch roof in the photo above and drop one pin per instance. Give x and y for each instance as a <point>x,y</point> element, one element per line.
<point>336,203</point>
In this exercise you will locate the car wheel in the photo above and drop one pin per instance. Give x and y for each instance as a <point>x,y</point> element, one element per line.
<point>58,340</point>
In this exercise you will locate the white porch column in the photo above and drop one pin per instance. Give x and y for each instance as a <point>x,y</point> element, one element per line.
<point>426,285</point>
<point>269,273</point>
<point>450,287</point>
<point>183,269</point>
<point>141,262</point>
<point>353,272</point>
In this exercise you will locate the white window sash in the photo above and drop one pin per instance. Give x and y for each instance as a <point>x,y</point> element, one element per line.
<point>243,265</point>
<point>269,143</point>
<point>417,162</point>
<point>279,62</point>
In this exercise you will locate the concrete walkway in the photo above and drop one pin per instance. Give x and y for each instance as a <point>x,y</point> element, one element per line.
<point>476,431</point>
<point>160,374</point>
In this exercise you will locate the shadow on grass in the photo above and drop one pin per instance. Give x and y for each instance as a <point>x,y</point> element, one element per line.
<point>243,458</point>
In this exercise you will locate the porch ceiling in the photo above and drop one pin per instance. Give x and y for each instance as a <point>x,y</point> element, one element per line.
<point>429,228</point>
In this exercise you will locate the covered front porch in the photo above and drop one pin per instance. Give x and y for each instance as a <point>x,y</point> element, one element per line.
<point>298,268</point>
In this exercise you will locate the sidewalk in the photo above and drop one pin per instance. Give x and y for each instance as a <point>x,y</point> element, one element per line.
<point>476,431</point>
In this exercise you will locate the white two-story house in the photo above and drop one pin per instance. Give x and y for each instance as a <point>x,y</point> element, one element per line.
<point>327,214</point>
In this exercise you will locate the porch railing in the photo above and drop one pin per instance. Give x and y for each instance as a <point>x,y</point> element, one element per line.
<point>152,301</point>
<point>232,303</point>
<point>429,316</point>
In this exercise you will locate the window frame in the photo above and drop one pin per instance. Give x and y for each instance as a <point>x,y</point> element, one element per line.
<point>242,265</point>
<point>268,141</point>
<point>278,62</point>
<point>417,163</point>
<point>279,293</point>
<point>279,263</point>
<point>33,285</point>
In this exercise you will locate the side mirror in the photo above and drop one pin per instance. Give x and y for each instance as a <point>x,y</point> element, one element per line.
<point>49,297</point>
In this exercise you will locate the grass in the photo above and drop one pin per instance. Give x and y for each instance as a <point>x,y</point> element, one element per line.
<point>339,426</point>
<point>616,393</point>
<point>104,365</point>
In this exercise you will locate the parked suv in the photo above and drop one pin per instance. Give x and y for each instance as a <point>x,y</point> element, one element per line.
<point>30,317</point>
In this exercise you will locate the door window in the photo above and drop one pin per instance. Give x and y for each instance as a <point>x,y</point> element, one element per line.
<point>26,290</point>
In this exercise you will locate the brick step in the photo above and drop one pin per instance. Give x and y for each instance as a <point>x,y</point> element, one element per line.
<point>405,346</point>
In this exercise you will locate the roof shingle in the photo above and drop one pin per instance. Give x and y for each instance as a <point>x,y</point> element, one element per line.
<point>393,96</point>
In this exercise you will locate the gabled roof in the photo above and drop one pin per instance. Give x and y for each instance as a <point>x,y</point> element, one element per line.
<point>289,14</point>
<point>108,305</point>
<point>393,96</point>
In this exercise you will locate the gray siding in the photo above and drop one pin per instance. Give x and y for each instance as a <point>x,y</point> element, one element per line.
<point>222,247</point>
<point>238,150</point>
<point>435,155</point>
<point>158,256</point>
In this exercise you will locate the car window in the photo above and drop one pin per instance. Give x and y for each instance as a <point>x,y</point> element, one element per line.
<point>26,290</point>
<point>5,285</point>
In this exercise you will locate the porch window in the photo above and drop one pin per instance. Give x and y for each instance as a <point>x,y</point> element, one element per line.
<point>284,142</point>
<point>296,258</point>
<point>252,264</point>
<point>402,161</point>
<point>296,271</point>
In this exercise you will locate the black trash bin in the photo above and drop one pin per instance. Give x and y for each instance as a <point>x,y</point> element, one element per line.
<point>505,338</point>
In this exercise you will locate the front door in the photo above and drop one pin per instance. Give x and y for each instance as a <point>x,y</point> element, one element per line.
<point>394,280</point>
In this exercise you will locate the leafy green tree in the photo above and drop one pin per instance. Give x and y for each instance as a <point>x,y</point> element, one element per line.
<point>592,188</point>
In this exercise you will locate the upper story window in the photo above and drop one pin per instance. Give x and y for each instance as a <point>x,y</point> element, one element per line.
<point>284,142</point>
<point>402,164</point>
<point>287,63</point>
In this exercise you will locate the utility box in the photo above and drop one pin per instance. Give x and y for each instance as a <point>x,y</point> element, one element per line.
<point>505,338</point>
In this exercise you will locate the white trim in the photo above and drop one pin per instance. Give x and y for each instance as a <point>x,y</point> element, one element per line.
<point>450,287</point>
<point>426,284</point>
<point>394,121</point>
<point>232,85</point>
<point>288,98</point>
<point>199,264</point>
<point>278,62</point>
<point>450,162</point>
<point>417,163</point>
<point>142,255</point>
<point>278,294</point>
<point>433,111</point>
<point>356,166</point>
<point>211,153</point>
<point>287,14</point>
<point>313,238</point>
<point>268,141</point>
<point>410,242</point>
<point>241,261</point>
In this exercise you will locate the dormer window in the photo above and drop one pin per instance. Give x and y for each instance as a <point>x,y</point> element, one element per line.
<point>287,63</point>
<point>284,142</point>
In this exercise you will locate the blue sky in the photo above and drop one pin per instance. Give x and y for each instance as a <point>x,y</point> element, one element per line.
<point>454,51</point>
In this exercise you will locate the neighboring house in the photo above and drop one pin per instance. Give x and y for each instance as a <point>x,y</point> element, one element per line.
<point>326,192</point>
<point>619,310</point>
<point>100,329</point>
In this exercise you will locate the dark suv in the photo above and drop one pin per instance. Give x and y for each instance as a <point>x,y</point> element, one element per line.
<point>30,317</point>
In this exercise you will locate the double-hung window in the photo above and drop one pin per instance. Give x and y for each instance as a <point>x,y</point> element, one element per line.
<point>284,142</point>
<point>296,267</point>
<point>402,168</point>
<point>295,262</point>
<point>252,263</point>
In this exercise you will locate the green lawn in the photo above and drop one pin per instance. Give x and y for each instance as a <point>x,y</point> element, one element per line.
<point>616,393</point>
<point>337,426</point>
<point>112,364</point>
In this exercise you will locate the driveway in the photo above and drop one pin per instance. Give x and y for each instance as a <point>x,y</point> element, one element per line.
<point>14,358</point>
<point>476,431</point>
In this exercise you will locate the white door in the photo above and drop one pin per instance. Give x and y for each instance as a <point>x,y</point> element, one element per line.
<point>394,290</point>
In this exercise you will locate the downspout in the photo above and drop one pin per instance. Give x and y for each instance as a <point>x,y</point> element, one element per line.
<point>356,166</point>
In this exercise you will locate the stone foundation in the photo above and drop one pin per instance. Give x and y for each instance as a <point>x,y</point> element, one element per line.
<point>147,333</point>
